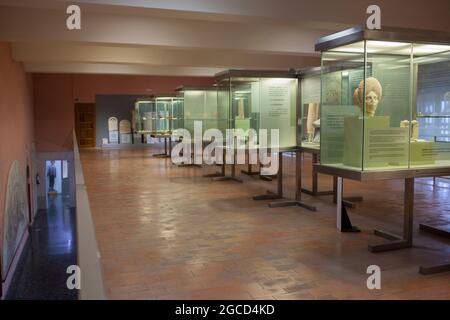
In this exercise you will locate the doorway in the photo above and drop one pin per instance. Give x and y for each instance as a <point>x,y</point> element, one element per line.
<point>85,124</point>
<point>57,178</point>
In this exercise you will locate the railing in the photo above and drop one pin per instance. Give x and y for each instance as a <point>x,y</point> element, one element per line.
<point>92,287</point>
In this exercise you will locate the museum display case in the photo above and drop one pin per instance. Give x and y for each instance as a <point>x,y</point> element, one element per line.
<point>160,115</point>
<point>252,99</point>
<point>200,105</point>
<point>176,114</point>
<point>145,116</point>
<point>385,100</point>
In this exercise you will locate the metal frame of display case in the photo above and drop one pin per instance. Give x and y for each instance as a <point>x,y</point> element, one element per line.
<point>360,33</point>
<point>297,201</point>
<point>181,90</point>
<point>409,174</point>
<point>279,193</point>
<point>315,152</point>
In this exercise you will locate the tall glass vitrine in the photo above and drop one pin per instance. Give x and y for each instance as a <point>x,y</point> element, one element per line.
<point>160,115</point>
<point>251,99</point>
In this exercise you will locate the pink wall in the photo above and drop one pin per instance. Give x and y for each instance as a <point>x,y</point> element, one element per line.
<point>55,95</point>
<point>16,120</point>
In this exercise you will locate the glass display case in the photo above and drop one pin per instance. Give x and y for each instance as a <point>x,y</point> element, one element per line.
<point>159,115</point>
<point>252,99</point>
<point>308,134</point>
<point>385,100</point>
<point>145,115</point>
<point>176,115</point>
<point>200,105</point>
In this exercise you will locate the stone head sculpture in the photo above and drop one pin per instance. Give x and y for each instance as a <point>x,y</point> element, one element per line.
<point>374,92</point>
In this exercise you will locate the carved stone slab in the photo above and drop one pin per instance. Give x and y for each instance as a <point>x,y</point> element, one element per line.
<point>16,214</point>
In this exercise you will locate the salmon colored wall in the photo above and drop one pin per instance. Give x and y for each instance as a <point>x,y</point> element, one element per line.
<point>53,115</point>
<point>55,95</point>
<point>87,86</point>
<point>16,120</point>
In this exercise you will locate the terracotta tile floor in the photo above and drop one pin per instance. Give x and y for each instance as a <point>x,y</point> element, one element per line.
<point>166,232</point>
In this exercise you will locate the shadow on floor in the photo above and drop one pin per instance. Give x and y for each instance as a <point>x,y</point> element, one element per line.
<point>50,249</point>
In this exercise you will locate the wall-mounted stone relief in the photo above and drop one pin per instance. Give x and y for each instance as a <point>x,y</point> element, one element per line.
<point>16,214</point>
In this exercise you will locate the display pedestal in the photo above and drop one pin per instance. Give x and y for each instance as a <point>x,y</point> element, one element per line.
<point>298,201</point>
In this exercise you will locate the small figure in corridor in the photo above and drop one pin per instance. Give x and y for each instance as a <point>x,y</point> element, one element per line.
<point>51,174</point>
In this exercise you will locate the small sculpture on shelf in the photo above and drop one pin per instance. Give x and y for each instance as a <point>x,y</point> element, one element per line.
<point>414,127</point>
<point>241,109</point>
<point>316,125</point>
<point>374,92</point>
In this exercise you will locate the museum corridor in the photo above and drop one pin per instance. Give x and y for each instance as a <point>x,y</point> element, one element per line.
<point>166,232</point>
<point>50,249</point>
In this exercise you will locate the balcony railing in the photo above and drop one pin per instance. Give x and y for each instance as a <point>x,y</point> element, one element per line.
<point>92,287</point>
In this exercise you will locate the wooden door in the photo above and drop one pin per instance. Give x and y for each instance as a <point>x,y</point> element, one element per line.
<point>85,124</point>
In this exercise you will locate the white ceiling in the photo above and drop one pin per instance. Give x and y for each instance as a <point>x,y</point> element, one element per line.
<point>189,37</point>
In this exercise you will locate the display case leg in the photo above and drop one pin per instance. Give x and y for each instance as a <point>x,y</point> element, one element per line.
<point>346,224</point>
<point>315,181</point>
<point>165,154</point>
<point>317,193</point>
<point>298,201</point>
<point>213,175</point>
<point>438,230</point>
<point>349,202</point>
<point>441,231</point>
<point>266,178</point>
<point>435,269</point>
<point>249,171</point>
<point>227,178</point>
<point>292,203</point>
<point>232,177</point>
<point>186,165</point>
<point>222,171</point>
<point>279,194</point>
<point>343,221</point>
<point>406,240</point>
<point>387,235</point>
<point>269,196</point>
